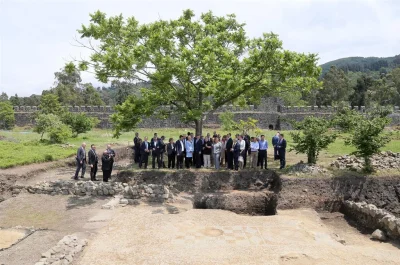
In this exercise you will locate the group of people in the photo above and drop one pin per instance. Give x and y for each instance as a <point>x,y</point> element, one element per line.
<point>107,160</point>
<point>198,151</point>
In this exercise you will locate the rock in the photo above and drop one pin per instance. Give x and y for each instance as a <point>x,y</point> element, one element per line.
<point>124,201</point>
<point>46,254</point>
<point>379,235</point>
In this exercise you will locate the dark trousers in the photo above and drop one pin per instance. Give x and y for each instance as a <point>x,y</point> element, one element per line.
<point>230,160</point>
<point>262,158</point>
<point>106,175</point>
<point>258,158</point>
<point>276,153</point>
<point>136,155</point>
<point>93,171</point>
<point>244,158</point>
<point>236,161</point>
<point>144,159</point>
<point>188,162</point>
<point>80,166</point>
<point>171,161</point>
<point>112,165</point>
<point>179,161</point>
<point>197,159</point>
<point>282,158</point>
<point>156,156</point>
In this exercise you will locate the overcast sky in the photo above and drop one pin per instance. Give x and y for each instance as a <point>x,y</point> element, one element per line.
<point>36,35</point>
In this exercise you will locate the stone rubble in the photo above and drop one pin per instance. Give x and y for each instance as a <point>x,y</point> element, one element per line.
<point>372,217</point>
<point>63,253</point>
<point>307,169</point>
<point>130,193</point>
<point>383,160</point>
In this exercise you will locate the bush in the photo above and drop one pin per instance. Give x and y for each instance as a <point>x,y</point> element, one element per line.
<point>7,119</point>
<point>48,158</point>
<point>313,137</point>
<point>368,137</point>
<point>59,133</point>
<point>79,123</point>
<point>44,122</point>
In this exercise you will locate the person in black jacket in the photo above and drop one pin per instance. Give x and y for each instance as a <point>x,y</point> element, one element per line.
<point>171,152</point>
<point>198,146</point>
<point>229,146</point>
<point>180,151</point>
<point>155,146</point>
<point>136,148</point>
<point>281,146</point>
<point>236,153</point>
<point>112,156</point>
<point>207,148</point>
<point>93,161</point>
<point>106,165</point>
<point>144,153</point>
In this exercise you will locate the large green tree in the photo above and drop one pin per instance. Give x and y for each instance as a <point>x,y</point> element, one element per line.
<point>7,119</point>
<point>194,65</point>
<point>336,88</point>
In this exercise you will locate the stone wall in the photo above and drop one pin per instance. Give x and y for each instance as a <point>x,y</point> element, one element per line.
<point>368,215</point>
<point>271,113</point>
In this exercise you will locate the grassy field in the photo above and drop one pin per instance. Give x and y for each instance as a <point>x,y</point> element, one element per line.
<point>21,147</point>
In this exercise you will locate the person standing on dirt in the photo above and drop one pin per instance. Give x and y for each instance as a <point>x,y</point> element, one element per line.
<point>106,165</point>
<point>136,147</point>
<point>93,161</point>
<point>144,153</point>
<point>282,151</point>
<point>275,141</point>
<point>80,161</point>
<point>112,156</point>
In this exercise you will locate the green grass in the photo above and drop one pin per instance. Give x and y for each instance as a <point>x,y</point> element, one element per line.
<point>21,147</point>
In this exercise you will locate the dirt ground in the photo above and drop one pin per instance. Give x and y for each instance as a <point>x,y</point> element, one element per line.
<point>53,216</point>
<point>151,235</point>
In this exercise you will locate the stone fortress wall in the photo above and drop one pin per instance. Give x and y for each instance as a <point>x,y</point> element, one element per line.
<point>271,113</point>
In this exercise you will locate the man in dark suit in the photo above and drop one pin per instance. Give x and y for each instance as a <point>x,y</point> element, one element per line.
<point>111,153</point>
<point>180,151</point>
<point>198,146</point>
<point>80,161</point>
<point>282,151</point>
<point>136,147</point>
<point>171,152</point>
<point>275,141</point>
<point>93,162</point>
<point>155,146</point>
<point>229,146</point>
<point>144,153</point>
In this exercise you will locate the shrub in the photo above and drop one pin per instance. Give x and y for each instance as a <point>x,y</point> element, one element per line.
<point>368,137</point>
<point>79,123</point>
<point>7,119</point>
<point>312,137</point>
<point>59,133</point>
<point>44,122</point>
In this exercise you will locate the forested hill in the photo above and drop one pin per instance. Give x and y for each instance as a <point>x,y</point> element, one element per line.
<point>364,64</point>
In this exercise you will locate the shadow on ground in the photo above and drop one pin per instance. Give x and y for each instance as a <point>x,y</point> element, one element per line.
<point>76,202</point>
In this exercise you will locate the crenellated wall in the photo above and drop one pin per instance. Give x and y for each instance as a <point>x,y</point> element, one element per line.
<point>270,113</point>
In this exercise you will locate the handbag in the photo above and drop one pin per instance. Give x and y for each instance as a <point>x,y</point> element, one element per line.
<point>241,159</point>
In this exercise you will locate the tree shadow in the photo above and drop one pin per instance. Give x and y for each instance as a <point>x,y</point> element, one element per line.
<point>77,202</point>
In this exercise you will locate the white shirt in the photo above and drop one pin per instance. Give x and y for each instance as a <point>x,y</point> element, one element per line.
<point>182,145</point>
<point>242,144</point>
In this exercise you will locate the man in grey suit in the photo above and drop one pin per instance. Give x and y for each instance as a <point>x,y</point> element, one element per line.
<point>80,161</point>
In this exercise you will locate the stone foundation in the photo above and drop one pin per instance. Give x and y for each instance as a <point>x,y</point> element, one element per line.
<point>368,215</point>
<point>63,253</point>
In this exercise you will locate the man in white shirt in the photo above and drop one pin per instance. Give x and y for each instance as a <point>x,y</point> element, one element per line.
<point>254,146</point>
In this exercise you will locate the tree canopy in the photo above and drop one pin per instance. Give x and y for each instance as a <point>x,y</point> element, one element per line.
<point>195,65</point>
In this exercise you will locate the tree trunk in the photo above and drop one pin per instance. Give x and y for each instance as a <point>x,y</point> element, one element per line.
<point>199,127</point>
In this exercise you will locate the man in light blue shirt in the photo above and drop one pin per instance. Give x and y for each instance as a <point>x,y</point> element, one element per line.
<point>263,151</point>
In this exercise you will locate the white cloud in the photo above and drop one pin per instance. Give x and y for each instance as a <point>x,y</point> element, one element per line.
<point>36,36</point>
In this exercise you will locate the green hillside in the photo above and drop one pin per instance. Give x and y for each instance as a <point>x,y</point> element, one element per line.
<point>364,64</point>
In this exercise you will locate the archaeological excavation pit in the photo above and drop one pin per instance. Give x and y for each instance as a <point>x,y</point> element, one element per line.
<point>228,215</point>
